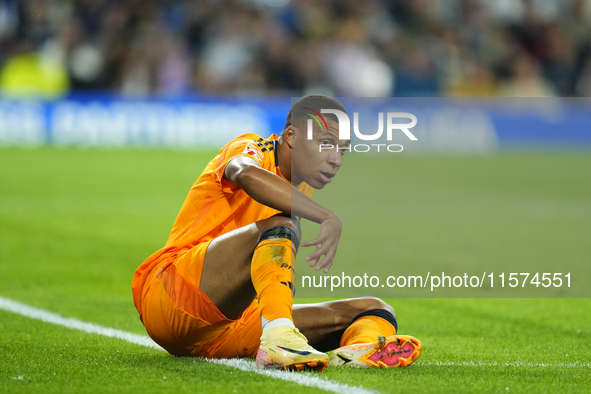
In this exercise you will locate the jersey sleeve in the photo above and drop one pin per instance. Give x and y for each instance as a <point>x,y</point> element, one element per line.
<point>238,147</point>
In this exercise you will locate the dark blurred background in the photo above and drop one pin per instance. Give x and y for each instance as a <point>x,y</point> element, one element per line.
<point>520,48</point>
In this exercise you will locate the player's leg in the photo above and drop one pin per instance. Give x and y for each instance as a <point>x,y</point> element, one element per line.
<point>191,304</point>
<point>325,322</point>
<point>226,277</point>
<point>362,329</point>
<point>258,260</point>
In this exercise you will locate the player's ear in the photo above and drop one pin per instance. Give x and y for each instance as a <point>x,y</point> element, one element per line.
<point>290,136</point>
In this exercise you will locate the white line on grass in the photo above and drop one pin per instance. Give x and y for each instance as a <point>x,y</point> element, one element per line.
<point>243,365</point>
<point>48,317</point>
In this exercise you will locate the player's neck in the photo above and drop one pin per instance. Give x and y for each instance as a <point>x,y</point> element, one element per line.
<point>284,158</point>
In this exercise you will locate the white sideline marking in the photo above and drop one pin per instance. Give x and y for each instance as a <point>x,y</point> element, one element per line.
<point>243,365</point>
<point>48,317</point>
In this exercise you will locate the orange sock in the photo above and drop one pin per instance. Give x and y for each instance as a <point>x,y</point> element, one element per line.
<point>273,277</point>
<point>366,329</point>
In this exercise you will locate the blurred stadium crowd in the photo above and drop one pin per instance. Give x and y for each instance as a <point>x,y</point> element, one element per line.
<point>524,48</point>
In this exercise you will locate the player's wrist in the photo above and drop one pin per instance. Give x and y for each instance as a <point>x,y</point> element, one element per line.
<point>331,215</point>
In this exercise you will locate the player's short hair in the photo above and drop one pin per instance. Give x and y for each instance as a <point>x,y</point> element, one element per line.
<point>298,112</point>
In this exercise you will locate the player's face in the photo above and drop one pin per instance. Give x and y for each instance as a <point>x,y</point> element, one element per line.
<point>316,161</point>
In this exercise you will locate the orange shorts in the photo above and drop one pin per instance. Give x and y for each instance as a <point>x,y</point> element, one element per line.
<point>184,321</point>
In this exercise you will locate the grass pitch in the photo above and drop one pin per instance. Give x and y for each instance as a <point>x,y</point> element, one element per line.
<point>75,224</point>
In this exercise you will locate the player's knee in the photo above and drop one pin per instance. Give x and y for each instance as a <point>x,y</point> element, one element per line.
<point>290,224</point>
<point>284,232</point>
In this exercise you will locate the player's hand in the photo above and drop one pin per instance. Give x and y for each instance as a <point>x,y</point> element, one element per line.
<point>326,243</point>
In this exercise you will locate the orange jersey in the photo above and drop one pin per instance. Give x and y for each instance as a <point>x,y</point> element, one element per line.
<point>214,205</point>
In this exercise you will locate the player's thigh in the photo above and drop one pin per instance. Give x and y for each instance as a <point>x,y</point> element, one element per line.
<point>226,277</point>
<point>176,314</point>
<point>244,335</point>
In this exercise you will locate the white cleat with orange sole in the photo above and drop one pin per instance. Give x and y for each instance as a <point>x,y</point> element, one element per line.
<point>286,348</point>
<point>396,351</point>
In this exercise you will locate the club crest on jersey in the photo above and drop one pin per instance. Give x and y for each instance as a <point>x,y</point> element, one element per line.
<point>251,150</point>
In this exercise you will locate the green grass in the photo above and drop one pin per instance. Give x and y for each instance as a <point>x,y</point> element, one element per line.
<point>75,224</point>
<point>503,213</point>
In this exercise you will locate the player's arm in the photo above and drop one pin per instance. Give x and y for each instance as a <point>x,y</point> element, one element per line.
<point>271,190</point>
